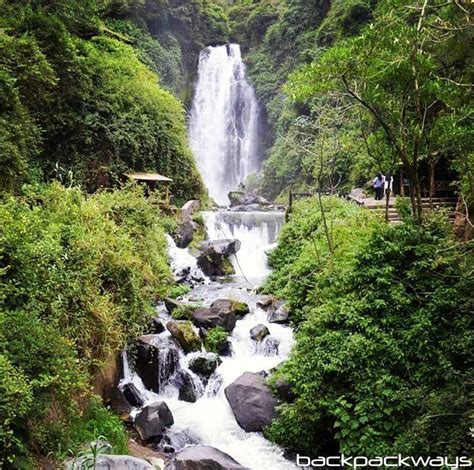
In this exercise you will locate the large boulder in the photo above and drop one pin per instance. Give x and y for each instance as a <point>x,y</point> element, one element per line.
<point>213,259</point>
<point>251,401</point>
<point>205,365</point>
<point>111,462</point>
<point>259,332</point>
<point>202,458</point>
<point>239,308</point>
<point>157,359</point>
<point>216,315</point>
<point>185,335</point>
<point>153,419</point>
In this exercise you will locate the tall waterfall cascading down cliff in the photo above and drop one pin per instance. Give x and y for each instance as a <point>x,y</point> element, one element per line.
<point>224,123</point>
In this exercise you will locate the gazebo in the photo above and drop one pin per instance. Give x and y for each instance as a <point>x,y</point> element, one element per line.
<point>152,180</point>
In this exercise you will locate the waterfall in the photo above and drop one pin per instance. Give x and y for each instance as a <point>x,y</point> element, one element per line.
<point>224,123</point>
<point>257,231</point>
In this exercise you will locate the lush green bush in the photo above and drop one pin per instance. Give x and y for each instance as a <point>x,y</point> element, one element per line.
<point>79,277</point>
<point>384,333</point>
<point>87,109</point>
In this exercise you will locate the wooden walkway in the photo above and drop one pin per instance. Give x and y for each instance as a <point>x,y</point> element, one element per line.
<point>447,203</point>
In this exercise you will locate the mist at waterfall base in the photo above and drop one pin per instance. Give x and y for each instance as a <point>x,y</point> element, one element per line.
<point>224,127</point>
<point>210,421</point>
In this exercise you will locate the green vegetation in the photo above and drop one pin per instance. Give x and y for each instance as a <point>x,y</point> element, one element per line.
<point>87,108</point>
<point>184,312</point>
<point>79,277</point>
<point>384,333</point>
<point>215,339</point>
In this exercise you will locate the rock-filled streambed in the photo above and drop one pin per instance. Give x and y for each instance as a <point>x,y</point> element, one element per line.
<point>194,404</point>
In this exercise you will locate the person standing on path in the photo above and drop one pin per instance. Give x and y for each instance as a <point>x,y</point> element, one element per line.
<point>378,183</point>
<point>388,188</point>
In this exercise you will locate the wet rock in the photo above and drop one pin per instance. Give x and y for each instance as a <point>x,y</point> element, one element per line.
<point>205,365</point>
<point>156,360</point>
<point>184,382</point>
<point>270,346</point>
<point>174,441</point>
<point>213,257</point>
<point>223,248</point>
<point>279,314</point>
<point>185,334</point>
<point>184,233</point>
<point>202,458</point>
<point>132,395</point>
<point>172,304</point>
<point>265,302</point>
<point>155,326</point>
<point>259,332</point>
<point>153,419</point>
<point>239,308</point>
<point>251,401</point>
<point>224,348</point>
<point>215,316</point>
<point>113,462</point>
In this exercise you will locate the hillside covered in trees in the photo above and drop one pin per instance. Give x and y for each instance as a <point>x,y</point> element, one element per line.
<point>91,90</point>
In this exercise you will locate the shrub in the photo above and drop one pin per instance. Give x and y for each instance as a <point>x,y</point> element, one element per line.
<point>79,278</point>
<point>215,338</point>
<point>384,332</point>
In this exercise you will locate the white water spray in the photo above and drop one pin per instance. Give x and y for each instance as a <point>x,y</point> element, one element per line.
<point>224,124</point>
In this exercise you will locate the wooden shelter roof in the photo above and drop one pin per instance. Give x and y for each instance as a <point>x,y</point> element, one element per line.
<point>149,177</point>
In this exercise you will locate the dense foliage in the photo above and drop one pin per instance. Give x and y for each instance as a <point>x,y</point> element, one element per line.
<point>384,333</point>
<point>403,67</point>
<point>79,102</point>
<point>78,278</point>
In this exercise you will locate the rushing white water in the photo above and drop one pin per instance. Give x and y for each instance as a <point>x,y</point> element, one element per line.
<point>210,420</point>
<point>257,232</point>
<point>224,123</point>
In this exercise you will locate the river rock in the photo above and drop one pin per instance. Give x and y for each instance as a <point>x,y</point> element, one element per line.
<point>202,458</point>
<point>213,259</point>
<point>132,395</point>
<point>157,359</point>
<point>184,382</point>
<point>172,304</point>
<point>113,462</point>
<point>205,365</point>
<point>239,308</point>
<point>279,314</point>
<point>265,302</point>
<point>184,333</point>
<point>269,346</point>
<point>251,401</point>
<point>184,233</point>
<point>155,326</point>
<point>214,316</point>
<point>153,419</point>
<point>259,332</point>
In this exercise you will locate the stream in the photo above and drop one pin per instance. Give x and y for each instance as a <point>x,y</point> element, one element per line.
<point>225,136</point>
<point>210,421</point>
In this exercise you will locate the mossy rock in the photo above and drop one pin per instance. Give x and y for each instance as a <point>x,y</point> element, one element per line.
<point>240,308</point>
<point>184,333</point>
